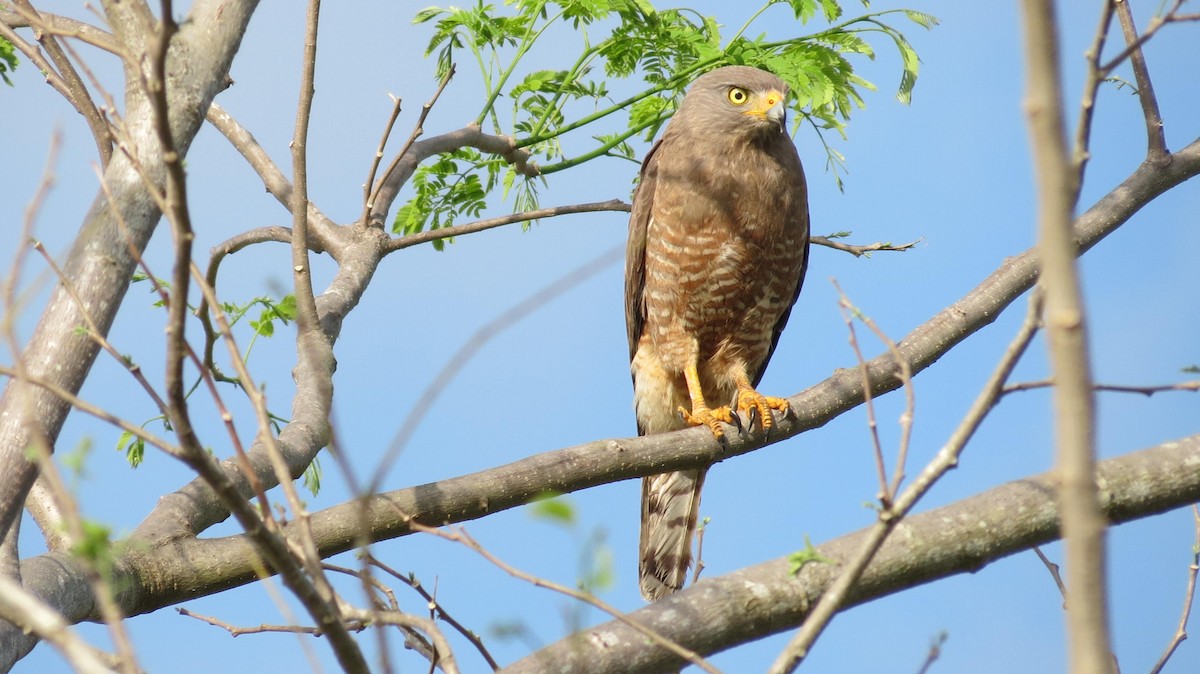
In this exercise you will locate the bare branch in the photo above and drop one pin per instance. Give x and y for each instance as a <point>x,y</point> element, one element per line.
<point>436,607</point>
<point>235,631</point>
<point>368,186</point>
<point>889,518</point>
<point>1058,188</point>
<point>246,145</point>
<point>935,652</point>
<point>21,607</point>
<point>490,223</point>
<point>1147,391</point>
<point>849,313</point>
<point>376,208</point>
<point>963,537</point>
<point>1157,23</point>
<point>78,95</point>
<point>63,26</point>
<point>460,535</point>
<point>1054,573</point>
<point>1189,595</point>
<point>1156,142</point>
<point>860,251</point>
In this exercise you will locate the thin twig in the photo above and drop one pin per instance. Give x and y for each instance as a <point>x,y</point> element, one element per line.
<point>1156,142</point>
<point>369,185</point>
<point>1147,391</point>
<point>217,256</point>
<point>1087,105</point>
<point>947,458</point>
<point>861,251</point>
<point>376,216</point>
<point>244,142</point>
<point>460,535</point>
<point>1054,573</point>
<point>1156,23</point>
<point>97,335</point>
<point>490,223</point>
<point>849,313</point>
<point>935,652</point>
<point>1188,595</point>
<point>436,606</point>
<point>236,631</point>
<point>79,96</point>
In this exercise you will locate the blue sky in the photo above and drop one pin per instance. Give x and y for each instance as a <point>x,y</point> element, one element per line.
<point>952,169</point>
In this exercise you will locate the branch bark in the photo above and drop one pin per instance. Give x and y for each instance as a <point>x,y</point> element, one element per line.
<point>718,613</point>
<point>153,573</point>
<point>101,261</point>
<point>1066,330</point>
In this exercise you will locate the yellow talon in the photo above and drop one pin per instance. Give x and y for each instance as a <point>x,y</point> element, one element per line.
<point>753,403</point>
<point>703,416</point>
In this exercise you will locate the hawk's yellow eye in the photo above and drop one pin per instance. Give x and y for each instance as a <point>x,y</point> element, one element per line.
<point>738,96</point>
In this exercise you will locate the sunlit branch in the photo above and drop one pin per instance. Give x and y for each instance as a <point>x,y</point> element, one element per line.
<point>1083,521</point>
<point>490,223</point>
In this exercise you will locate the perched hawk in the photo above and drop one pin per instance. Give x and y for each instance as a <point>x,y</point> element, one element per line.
<point>718,245</point>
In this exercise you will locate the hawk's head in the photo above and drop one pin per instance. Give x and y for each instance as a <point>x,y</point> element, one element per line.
<point>736,100</point>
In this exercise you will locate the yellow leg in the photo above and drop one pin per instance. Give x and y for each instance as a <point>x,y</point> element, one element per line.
<point>754,403</point>
<point>700,414</point>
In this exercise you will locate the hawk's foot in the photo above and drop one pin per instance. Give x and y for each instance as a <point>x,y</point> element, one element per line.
<point>755,404</point>
<point>701,415</point>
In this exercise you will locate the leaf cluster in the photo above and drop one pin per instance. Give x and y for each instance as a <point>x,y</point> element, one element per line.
<point>8,60</point>
<point>456,184</point>
<point>664,48</point>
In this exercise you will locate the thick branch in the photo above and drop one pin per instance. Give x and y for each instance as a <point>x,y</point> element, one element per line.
<point>101,262</point>
<point>477,495</point>
<point>718,613</point>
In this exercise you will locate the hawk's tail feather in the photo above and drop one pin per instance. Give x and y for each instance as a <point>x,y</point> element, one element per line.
<point>670,506</point>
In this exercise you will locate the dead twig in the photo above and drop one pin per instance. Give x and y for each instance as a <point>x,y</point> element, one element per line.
<point>1188,596</point>
<point>947,458</point>
<point>861,251</point>
<point>1054,573</point>
<point>1192,386</point>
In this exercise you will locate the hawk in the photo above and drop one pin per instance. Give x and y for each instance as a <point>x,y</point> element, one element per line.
<point>718,246</point>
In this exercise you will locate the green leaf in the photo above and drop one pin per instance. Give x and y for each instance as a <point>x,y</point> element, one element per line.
<point>95,545</point>
<point>922,19</point>
<point>134,448</point>
<point>553,508</point>
<point>286,307</point>
<point>312,476</point>
<point>8,60</point>
<point>798,559</point>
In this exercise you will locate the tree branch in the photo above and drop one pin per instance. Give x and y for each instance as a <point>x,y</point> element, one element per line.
<point>1156,142</point>
<point>490,223</point>
<point>100,263</point>
<point>1066,330</point>
<point>963,537</point>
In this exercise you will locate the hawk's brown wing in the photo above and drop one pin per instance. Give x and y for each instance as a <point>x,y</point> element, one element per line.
<point>635,252</point>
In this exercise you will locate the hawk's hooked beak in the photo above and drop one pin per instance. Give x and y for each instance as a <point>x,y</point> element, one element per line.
<point>769,106</point>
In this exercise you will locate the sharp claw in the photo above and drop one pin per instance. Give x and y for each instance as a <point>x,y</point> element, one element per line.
<point>736,420</point>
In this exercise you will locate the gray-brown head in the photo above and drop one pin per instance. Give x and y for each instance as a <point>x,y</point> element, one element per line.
<point>736,100</point>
